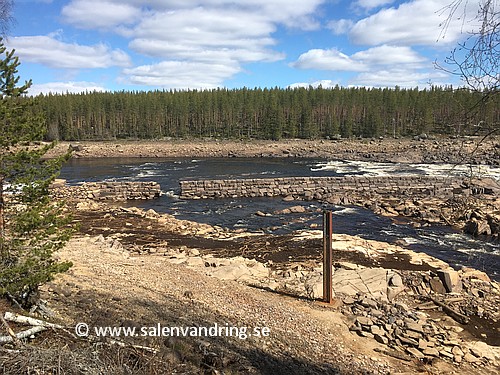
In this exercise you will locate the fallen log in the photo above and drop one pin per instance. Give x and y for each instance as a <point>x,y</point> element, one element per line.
<point>17,318</point>
<point>462,319</point>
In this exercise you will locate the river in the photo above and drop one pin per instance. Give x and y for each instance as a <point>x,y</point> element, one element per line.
<point>441,242</point>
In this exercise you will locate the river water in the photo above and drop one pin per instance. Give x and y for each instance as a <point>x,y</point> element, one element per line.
<point>453,247</point>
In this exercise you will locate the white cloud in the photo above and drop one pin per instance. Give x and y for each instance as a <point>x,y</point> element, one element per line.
<point>180,74</point>
<point>397,77</point>
<point>340,27</point>
<point>414,22</point>
<point>107,14</point>
<point>372,58</point>
<point>378,66</point>
<point>64,87</point>
<point>330,59</point>
<point>222,33</point>
<point>53,53</point>
<point>216,35</point>
<point>92,14</point>
<point>389,55</point>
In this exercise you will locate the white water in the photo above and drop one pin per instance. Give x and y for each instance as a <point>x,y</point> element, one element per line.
<point>385,169</point>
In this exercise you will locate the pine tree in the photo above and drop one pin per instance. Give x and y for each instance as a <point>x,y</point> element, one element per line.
<point>32,227</point>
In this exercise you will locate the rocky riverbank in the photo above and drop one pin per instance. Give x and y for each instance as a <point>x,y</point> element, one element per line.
<point>394,311</point>
<point>419,150</point>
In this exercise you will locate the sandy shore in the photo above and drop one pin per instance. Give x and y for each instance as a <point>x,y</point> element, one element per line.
<point>382,150</point>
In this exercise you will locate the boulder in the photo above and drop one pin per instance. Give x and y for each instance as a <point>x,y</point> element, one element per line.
<point>481,350</point>
<point>231,272</point>
<point>477,227</point>
<point>437,286</point>
<point>396,280</point>
<point>433,352</point>
<point>415,352</point>
<point>370,281</point>
<point>297,209</point>
<point>451,280</point>
<point>393,291</point>
<point>314,289</point>
<point>470,273</point>
<point>258,270</point>
<point>364,321</point>
<point>195,262</point>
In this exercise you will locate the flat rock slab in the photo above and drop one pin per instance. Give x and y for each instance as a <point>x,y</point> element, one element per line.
<point>372,281</point>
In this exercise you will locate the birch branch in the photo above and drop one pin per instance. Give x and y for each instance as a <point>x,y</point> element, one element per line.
<point>22,335</point>
<point>11,317</point>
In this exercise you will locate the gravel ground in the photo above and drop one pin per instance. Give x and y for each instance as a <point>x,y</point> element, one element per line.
<point>108,287</point>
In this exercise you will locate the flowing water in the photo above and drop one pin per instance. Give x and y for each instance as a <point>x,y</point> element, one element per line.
<point>444,243</point>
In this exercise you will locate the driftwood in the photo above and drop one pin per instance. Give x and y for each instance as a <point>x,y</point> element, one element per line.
<point>455,299</point>
<point>462,319</point>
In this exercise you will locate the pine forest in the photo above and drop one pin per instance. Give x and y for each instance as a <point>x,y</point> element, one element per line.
<point>274,113</point>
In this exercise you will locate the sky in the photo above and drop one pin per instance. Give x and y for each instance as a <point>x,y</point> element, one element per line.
<point>115,45</point>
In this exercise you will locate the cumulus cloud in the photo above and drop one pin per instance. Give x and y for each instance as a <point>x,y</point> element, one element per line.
<point>397,77</point>
<point>64,87</point>
<point>99,14</point>
<point>216,35</point>
<point>202,43</point>
<point>330,59</point>
<point>180,74</point>
<point>389,55</point>
<point>54,53</point>
<point>415,22</point>
<point>378,66</point>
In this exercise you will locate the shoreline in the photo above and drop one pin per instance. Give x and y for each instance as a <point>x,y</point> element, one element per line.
<point>439,150</point>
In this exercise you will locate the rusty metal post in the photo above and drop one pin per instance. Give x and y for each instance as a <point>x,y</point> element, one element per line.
<point>327,257</point>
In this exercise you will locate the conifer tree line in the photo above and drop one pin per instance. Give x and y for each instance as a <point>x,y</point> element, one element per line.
<point>273,113</point>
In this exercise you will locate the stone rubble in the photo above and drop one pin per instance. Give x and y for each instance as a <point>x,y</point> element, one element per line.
<point>370,303</point>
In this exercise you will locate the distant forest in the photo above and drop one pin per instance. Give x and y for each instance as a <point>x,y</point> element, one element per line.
<point>267,113</point>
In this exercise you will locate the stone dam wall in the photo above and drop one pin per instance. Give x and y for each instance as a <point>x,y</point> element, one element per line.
<point>309,188</point>
<point>107,190</point>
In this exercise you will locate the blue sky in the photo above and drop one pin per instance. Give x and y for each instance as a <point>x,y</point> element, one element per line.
<point>86,45</point>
